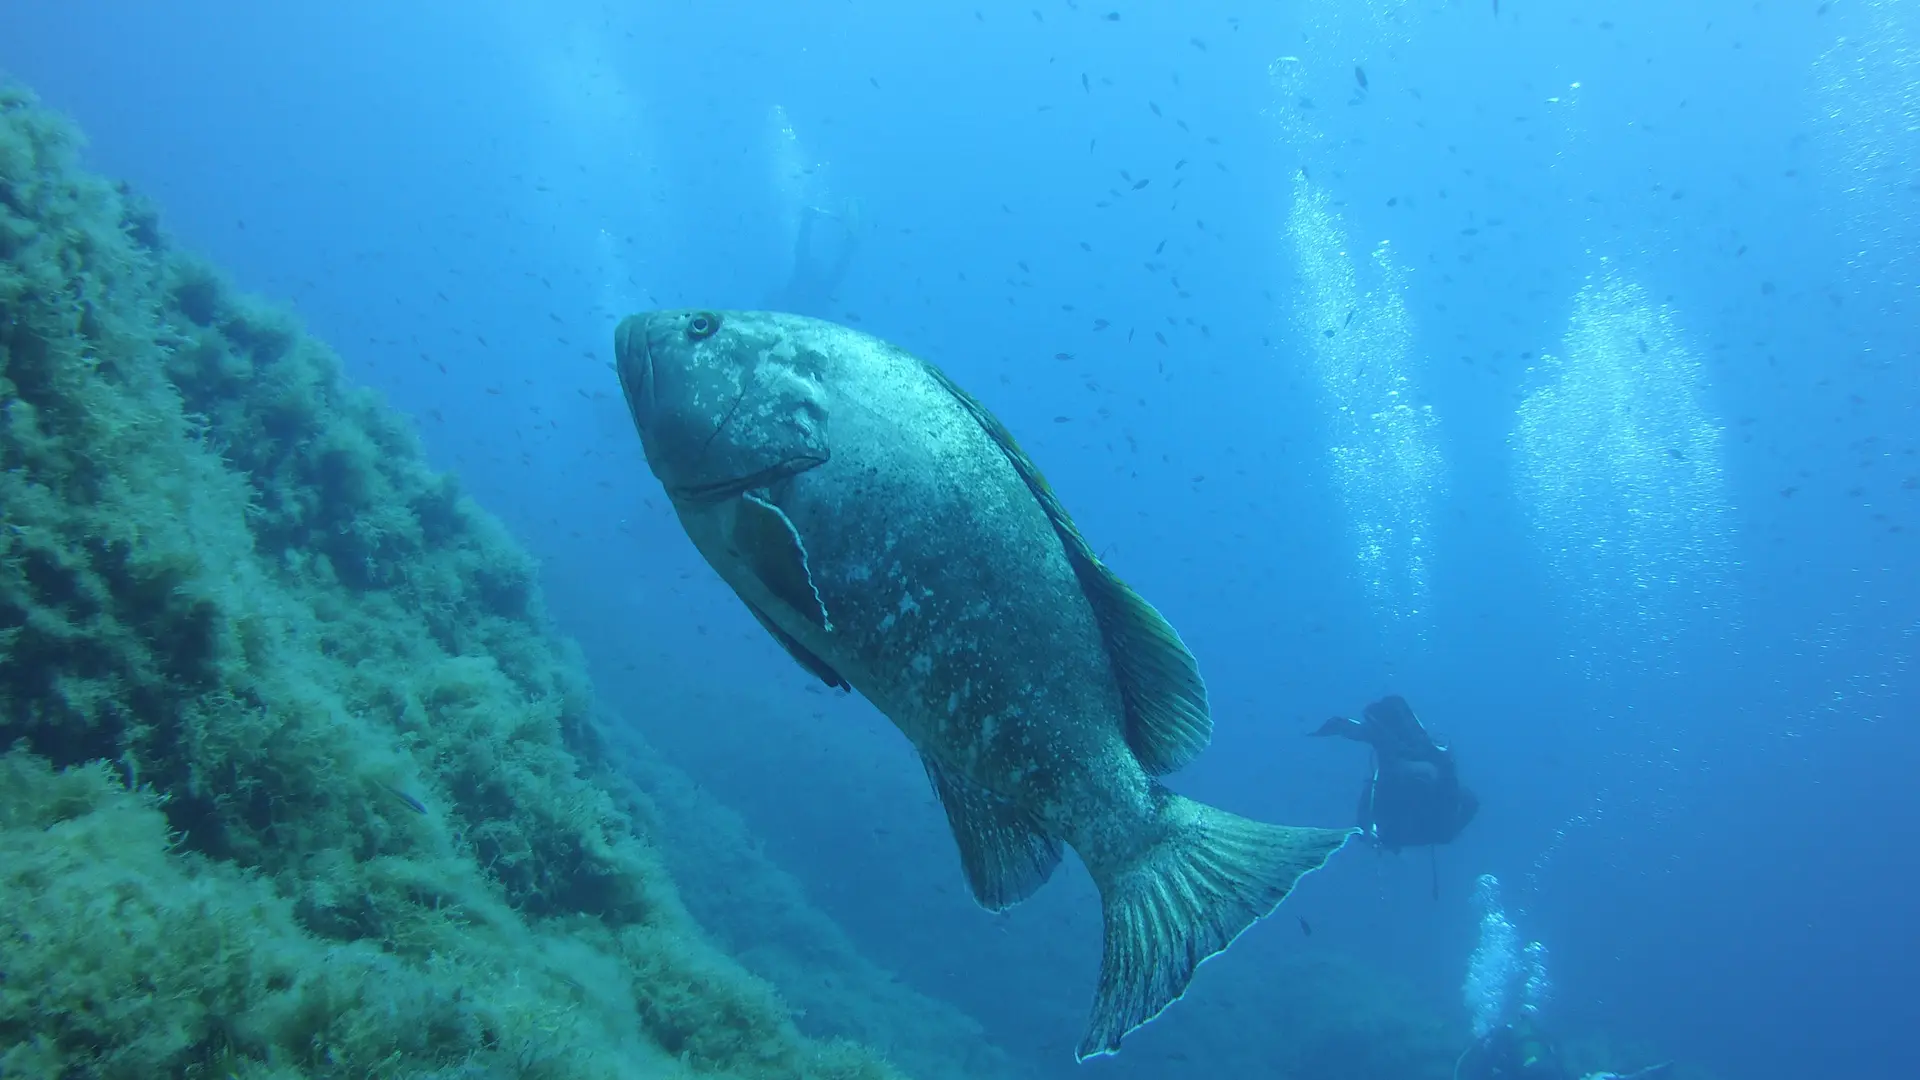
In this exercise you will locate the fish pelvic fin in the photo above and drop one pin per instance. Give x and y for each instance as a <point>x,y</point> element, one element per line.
<point>1186,899</point>
<point>801,654</point>
<point>1003,850</point>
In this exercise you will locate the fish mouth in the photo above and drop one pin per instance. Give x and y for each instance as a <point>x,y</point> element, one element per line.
<point>675,447</point>
<point>633,363</point>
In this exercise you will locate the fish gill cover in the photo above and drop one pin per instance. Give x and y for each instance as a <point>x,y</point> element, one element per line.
<point>295,781</point>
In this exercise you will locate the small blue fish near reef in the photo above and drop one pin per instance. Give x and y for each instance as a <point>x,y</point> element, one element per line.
<point>889,533</point>
<point>408,800</point>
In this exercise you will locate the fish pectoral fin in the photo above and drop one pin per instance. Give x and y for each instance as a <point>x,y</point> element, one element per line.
<point>1168,721</point>
<point>1003,851</point>
<point>768,543</point>
<point>820,668</point>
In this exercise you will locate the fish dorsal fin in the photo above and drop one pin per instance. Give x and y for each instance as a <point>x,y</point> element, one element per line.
<point>1168,723</point>
<point>1002,850</point>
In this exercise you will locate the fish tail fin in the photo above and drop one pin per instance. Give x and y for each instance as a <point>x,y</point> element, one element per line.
<point>1185,899</point>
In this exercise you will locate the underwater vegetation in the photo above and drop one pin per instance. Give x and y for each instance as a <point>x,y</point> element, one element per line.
<point>294,779</point>
<point>763,918</point>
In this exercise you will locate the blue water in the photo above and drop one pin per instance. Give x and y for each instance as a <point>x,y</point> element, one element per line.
<point>1561,378</point>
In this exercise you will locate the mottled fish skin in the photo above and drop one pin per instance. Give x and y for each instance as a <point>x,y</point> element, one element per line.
<point>888,533</point>
<point>955,610</point>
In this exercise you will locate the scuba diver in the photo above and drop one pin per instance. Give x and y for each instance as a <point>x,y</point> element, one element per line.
<point>1511,1051</point>
<point>1506,988</point>
<point>1520,1051</point>
<point>1414,797</point>
<point>823,248</point>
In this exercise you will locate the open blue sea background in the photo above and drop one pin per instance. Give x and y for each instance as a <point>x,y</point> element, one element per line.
<point>1551,364</point>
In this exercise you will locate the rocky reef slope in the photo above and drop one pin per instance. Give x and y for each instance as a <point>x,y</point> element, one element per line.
<point>296,780</point>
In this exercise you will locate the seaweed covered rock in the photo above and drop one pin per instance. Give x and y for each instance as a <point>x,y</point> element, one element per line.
<point>301,783</point>
<point>760,913</point>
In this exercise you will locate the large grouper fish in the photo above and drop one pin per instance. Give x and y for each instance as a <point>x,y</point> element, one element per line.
<point>893,538</point>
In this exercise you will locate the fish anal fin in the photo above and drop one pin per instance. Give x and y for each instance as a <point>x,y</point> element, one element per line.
<point>820,668</point>
<point>767,541</point>
<point>1004,853</point>
<point>1168,721</point>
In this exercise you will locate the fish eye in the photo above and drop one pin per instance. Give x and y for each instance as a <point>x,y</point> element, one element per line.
<point>702,326</point>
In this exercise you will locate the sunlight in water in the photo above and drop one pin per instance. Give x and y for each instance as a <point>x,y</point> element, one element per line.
<point>1383,448</point>
<point>1620,465</point>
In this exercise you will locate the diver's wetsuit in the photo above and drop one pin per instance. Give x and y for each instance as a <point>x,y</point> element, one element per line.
<point>1414,797</point>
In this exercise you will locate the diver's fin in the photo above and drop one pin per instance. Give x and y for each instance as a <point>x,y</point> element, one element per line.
<point>766,539</point>
<point>1005,855</point>
<point>801,655</point>
<point>1168,723</point>
<point>1212,876</point>
<point>1342,726</point>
